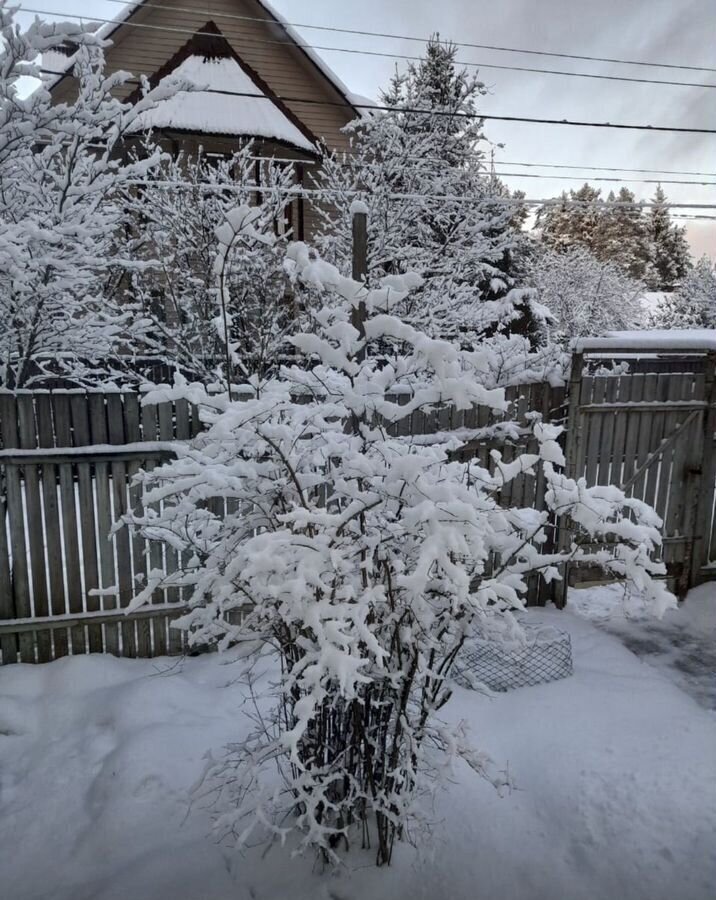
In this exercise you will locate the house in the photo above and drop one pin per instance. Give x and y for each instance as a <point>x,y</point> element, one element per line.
<point>258,81</point>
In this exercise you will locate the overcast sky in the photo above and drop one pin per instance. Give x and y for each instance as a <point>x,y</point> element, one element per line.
<point>666,31</point>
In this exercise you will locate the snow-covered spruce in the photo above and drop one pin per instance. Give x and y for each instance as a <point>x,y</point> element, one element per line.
<point>361,560</point>
<point>434,209</point>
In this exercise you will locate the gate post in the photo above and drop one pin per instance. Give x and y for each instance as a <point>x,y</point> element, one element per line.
<point>706,469</point>
<point>571,455</point>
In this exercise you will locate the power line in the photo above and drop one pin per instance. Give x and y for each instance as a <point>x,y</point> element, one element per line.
<point>422,40</point>
<point>605,169</point>
<point>380,53</point>
<point>437,112</point>
<point>299,192</point>
<point>595,178</point>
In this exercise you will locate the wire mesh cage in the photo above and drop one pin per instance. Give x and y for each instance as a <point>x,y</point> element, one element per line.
<point>545,654</point>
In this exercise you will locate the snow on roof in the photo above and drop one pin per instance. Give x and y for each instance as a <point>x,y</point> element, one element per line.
<point>702,339</point>
<point>210,113</point>
<point>108,28</point>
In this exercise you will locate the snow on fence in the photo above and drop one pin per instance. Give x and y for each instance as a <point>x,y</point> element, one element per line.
<point>67,463</point>
<point>68,459</point>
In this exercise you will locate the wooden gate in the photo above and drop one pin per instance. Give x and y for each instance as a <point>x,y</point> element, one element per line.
<point>651,432</point>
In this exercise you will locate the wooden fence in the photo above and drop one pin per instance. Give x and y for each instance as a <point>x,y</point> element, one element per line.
<point>68,459</point>
<point>67,463</point>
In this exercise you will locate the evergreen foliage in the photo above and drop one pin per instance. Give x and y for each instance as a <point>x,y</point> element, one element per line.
<point>693,303</point>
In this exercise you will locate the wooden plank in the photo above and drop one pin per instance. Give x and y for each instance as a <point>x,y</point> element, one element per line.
<point>133,432</point>
<point>606,450</point>
<point>70,524</point>
<point>643,440</point>
<point>150,430</point>
<point>620,427</point>
<point>33,625</point>
<point>8,642</point>
<point>707,464</point>
<point>27,433</point>
<point>165,415</point>
<point>79,413</point>
<point>120,506</point>
<point>104,519</point>
<point>666,489</point>
<point>635,386</point>
<point>594,426</point>
<point>658,434</point>
<point>53,533</point>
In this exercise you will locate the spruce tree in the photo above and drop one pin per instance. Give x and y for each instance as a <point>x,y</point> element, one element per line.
<point>670,258</point>
<point>622,238</point>
<point>433,207</point>
<point>576,220</point>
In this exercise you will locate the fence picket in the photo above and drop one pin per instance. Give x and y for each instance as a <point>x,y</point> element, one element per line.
<point>70,523</point>
<point>79,411</point>
<point>105,520</point>
<point>53,539</point>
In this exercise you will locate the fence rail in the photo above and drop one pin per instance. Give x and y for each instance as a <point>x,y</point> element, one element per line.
<point>68,461</point>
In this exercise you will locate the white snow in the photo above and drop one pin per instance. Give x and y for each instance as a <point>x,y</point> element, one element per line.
<point>652,300</point>
<point>613,769</point>
<point>209,113</point>
<point>698,339</point>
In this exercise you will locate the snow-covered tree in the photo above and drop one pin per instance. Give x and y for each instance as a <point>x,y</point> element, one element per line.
<point>433,207</point>
<point>189,305</point>
<point>693,303</point>
<point>670,257</point>
<point>622,236</point>
<point>575,220</point>
<point>362,557</point>
<point>584,295</point>
<point>644,243</point>
<point>62,165</point>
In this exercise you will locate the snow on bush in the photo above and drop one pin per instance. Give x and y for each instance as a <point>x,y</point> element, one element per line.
<point>62,165</point>
<point>362,559</point>
<point>190,314</point>
<point>693,303</point>
<point>584,295</point>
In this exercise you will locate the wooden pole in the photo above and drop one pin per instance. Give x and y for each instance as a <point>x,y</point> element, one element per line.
<point>705,467</point>
<point>572,453</point>
<point>360,267</point>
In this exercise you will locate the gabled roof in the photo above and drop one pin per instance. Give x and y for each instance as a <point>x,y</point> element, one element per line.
<point>109,28</point>
<point>230,97</point>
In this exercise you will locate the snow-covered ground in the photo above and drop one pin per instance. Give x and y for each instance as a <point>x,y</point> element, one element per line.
<point>614,772</point>
<point>682,644</point>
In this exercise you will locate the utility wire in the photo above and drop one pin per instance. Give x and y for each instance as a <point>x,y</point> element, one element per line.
<point>422,40</point>
<point>432,112</point>
<point>311,162</point>
<point>298,191</point>
<point>380,53</point>
<point>534,165</point>
<point>602,178</point>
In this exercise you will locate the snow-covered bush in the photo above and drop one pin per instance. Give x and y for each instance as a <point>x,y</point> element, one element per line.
<point>62,165</point>
<point>177,213</point>
<point>360,558</point>
<point>583,295</point>
<point>693,303</point>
